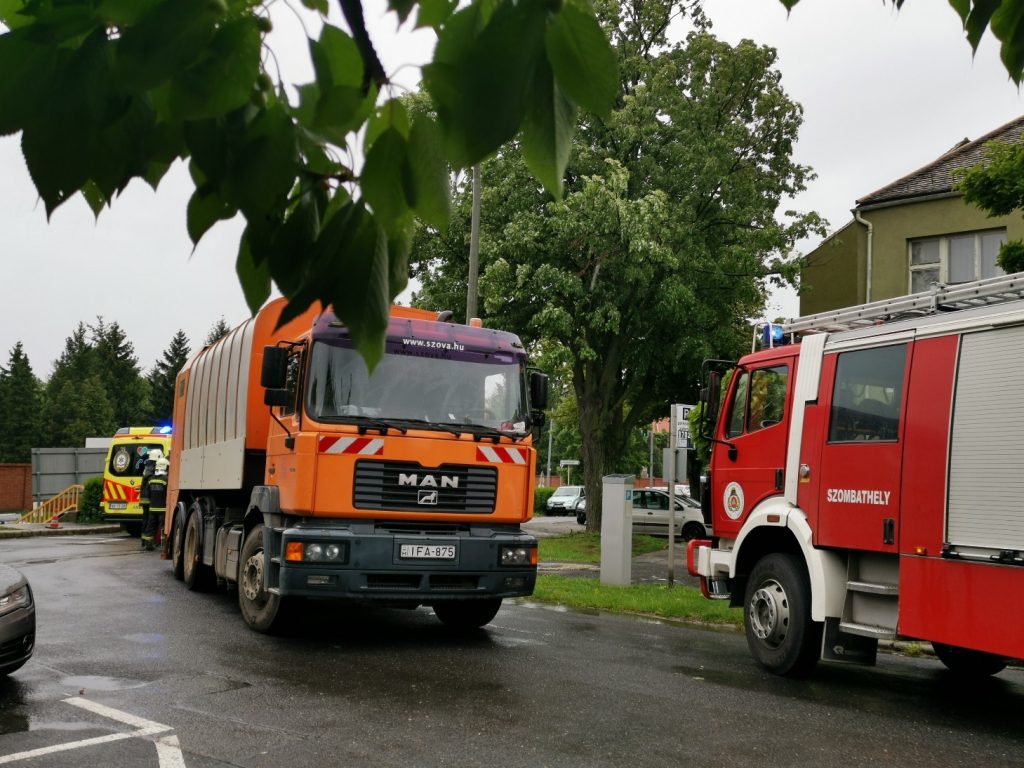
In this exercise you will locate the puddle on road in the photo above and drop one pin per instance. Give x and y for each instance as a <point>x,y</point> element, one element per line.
<point>86,683</point>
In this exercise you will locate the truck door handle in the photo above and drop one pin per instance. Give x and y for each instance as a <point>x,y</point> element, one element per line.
<point>888,531</point>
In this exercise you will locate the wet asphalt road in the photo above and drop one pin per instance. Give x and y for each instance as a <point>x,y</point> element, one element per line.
<point>147,674</point>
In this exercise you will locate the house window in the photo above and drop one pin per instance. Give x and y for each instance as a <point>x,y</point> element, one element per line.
<point>954,258</point>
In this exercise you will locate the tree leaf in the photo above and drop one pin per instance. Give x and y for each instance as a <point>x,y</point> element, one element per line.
<point>431,199</point>
<point>336,59</point>
<point>124,13</point>
<point>11,16</point>
<point>165,41</point>
<point>94,197</point>
<point>224,77</point>
<point>978,19</point>
<point>205,208</point>
<point>27,68</point>
<point>383,179</point>
<point>547,131</point>
<point>320,6</point>
<point>434,13</point>
<point>582,59</point>
<point>265,164</point>
<point>390,114</point>
<point>402,7</point>
<point>340,110</point>
<point>479,81</point>
<point>962,7</point>
<point>1008,27</point>
<point>254,278</point>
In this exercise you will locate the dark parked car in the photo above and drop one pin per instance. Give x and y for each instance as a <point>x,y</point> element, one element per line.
<point>17,620</point>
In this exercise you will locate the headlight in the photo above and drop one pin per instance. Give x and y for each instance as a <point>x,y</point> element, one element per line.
<point>12,601</point>
<point>314,552</point>
<point>518,556</point>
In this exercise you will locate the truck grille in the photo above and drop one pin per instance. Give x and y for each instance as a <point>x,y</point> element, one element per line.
<point>410,487</point>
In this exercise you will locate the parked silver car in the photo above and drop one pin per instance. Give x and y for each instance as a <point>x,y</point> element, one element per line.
<point>563,500</point>
<point>650,514</point>
<point>17,620</point>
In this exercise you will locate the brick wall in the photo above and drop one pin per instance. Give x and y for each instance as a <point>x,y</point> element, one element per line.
<point>15,487</point>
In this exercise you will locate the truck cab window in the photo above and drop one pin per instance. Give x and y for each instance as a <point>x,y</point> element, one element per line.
<point>867,394</point>
<point>291,382</point>
<point>759,401</point>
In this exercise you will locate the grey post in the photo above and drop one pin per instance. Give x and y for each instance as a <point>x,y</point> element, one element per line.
<point>616,529</point>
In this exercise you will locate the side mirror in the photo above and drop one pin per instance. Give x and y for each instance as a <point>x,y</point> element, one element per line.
<point>275,367</point>
<point>538,390</point>
<point>711,395</point>
<point>275,396</point>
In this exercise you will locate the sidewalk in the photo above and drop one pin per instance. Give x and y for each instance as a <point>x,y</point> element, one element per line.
<point>14,530</point>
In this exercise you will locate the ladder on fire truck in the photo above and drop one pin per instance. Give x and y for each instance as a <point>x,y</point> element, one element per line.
<point>940,298</point>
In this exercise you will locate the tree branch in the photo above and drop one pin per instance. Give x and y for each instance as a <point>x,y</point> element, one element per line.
<point>373,70</point>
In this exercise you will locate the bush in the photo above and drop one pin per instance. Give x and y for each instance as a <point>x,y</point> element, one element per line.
<point>89,510</point>
<point>540,500</point>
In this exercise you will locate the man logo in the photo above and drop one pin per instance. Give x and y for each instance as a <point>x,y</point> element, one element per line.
<point>427,497</point>
<point>428,481</point>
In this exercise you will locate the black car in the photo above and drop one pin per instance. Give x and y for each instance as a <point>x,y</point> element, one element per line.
<point>17,620</point>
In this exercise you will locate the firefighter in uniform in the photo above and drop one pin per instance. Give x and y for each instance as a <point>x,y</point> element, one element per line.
<point>152,496</point>
<point>147,473</point>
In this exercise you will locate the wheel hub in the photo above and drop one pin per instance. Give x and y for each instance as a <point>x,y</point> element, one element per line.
<point>769,613</point>
<point>252,576</point>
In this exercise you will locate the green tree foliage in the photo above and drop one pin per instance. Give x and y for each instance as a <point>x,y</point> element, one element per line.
<point>218,330</point>
<point>21,398</point>
<point>89,509</point>
<point>162,378</point>
<point>667,236</point>
<point>79,409</point>
<point>118,370</point>
<point>104,92</point>
<point>996,185</point>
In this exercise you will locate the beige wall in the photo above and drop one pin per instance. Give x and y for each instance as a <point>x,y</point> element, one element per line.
<point>835,275</point>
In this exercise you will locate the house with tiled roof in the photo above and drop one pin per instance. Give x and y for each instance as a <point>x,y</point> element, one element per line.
<point>911,233</point>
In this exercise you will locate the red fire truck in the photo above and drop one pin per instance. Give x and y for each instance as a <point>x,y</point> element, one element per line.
<point>867,481</point>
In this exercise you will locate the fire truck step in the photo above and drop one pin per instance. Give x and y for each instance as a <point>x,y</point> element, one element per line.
<point>873,588</point>
<point>867,630</point>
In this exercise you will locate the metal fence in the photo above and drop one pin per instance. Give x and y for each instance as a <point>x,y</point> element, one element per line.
<point>54,469</point>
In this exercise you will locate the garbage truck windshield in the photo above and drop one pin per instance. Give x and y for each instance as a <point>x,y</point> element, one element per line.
<point>473,388</point>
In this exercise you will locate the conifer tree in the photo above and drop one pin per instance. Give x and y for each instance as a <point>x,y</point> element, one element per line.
<point>162,378</point>
<point>21,398</point>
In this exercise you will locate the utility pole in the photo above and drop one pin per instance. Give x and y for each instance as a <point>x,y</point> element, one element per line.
<point>650,460</point>
<point>551,429</point>
<point>474,247</point>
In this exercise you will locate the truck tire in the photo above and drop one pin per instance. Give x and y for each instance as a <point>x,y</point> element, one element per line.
<point>263,611</point>
<point>178,545</point>
<point>969,663</point>
<point>463,615</point>
<point>777,616</point>
<point>197,576</point>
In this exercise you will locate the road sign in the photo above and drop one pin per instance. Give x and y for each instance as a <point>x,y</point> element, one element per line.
<point>569,463</point>
<point>681,426</point>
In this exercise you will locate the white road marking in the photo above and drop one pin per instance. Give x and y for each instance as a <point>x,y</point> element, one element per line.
<point>168,751</point>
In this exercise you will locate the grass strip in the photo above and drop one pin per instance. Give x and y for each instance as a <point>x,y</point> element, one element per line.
<point>679,602</point>
<point>586,547</point>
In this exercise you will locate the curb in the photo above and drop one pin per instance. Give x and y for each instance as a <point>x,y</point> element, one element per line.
<point>68,529</point>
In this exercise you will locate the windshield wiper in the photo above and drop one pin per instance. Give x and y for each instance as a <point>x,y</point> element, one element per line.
<point>365,424</point>
<point>430,425</point>
<point>480,431</point>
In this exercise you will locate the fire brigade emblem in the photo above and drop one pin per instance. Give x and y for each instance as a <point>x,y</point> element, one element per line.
<point>733,501</point>
<point>121,460</point>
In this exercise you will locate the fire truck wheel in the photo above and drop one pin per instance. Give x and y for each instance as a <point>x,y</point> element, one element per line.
<point>463,615</point>
<point>964,661</point>
<point>196,575</point>
<point>178,546</point>
<point>777,616</point>
<point>262,611</point>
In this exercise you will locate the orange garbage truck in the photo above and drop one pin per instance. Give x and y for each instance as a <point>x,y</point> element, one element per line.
<point>297,474</point>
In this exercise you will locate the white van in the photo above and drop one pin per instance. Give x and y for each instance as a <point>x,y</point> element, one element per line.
<point>563,500</point>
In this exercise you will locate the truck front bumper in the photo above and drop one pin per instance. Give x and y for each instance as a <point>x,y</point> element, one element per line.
<point>391,565</point>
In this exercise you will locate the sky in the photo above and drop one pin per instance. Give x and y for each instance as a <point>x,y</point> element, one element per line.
<point>883,93</point>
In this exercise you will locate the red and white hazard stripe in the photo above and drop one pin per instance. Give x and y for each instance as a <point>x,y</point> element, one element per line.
<point>500,454</point>
<point>364,446</point>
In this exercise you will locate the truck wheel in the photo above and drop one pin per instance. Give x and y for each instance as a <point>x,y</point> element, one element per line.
<point>263,611</point>
<point>969,663</point>
<point>777,616</point>
<point>196,575</point>
<point>178,546</point>
<point>693,530</point>
<point>464,615</point>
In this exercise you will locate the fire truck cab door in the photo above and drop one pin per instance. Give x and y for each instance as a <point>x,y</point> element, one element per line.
<point>756,428</point>
<point>862,448</point>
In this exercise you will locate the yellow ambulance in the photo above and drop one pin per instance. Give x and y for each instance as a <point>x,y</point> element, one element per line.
<point>122,474</point>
